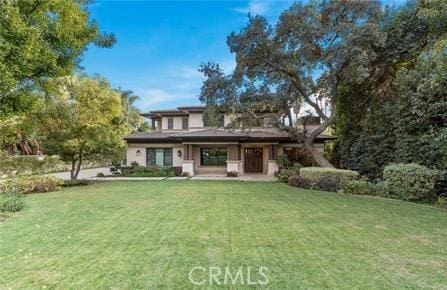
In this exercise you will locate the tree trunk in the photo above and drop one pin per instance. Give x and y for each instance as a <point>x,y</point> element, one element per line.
<point>289,116</point>
<point>317,155</point>
<point>309,141</point>
<point>78,167</point>
<point>73,168</point>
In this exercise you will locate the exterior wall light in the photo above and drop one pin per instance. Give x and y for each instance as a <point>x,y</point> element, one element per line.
<point>138,152</point>
<point>179,153</point>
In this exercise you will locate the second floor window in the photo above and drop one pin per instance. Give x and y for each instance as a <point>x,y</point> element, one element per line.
<point>221,120</point>
<point>170,123</point>
<point>185,123</point>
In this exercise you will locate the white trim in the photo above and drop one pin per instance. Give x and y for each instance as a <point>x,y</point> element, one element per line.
<point>153,145</point>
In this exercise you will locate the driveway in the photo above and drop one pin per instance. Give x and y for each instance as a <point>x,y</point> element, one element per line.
<point>84,173</point>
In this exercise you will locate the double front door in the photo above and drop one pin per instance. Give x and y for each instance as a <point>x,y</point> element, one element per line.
<point>253,160</point>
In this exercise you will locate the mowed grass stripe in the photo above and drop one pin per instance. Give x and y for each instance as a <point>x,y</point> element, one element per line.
<point>149,234</point>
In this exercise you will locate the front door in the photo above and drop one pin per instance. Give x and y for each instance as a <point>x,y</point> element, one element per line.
<point>253,160</point>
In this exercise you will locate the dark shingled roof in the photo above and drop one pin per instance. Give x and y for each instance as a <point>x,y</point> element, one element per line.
<point>210,133</point>
<point>215,135</point>
<point>150,136</point>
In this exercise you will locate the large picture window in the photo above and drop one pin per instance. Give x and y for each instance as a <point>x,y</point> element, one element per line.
<point>213,156</point>
<point>159,156</point>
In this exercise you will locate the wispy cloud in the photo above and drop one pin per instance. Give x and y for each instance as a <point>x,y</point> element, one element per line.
<point>155,98</point>
<point>175,84</point>
<point>254,7</point>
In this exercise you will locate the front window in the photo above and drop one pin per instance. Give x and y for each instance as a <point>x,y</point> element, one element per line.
<point>159,156</point>
<point>170,123</point>
<point>185,123</point>
<point>213,156</point>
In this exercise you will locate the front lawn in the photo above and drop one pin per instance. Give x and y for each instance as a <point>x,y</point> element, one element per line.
<point>151,234</point>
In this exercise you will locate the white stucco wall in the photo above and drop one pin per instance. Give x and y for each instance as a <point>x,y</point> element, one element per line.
<point>133,156</point>
<point>195,120</point>
<point>177,160</point>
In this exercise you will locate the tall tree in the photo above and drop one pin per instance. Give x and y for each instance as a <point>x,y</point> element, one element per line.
<point>80,120</point>
<point>305,57</point>
<point>374,114</point>
<point>41,39</point>
<point>131,114</point>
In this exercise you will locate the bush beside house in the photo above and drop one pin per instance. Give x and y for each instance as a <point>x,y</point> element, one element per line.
<point>31,184</point>
<point>315,174</point>
<point>411,182</point>
<point>359,187</point>
<point>148,171</point>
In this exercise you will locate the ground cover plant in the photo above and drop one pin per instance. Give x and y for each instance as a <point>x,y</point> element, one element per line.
<point>148,171</point>
<point>149,234</point>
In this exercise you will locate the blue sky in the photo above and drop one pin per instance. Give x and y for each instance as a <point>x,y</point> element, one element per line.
<point>162,43</point>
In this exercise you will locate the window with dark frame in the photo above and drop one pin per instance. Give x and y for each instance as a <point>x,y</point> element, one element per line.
<point>185,123</point>
<point>213,156</point>
<point>170,123</point>
<point>159,157</point>
<point>221,120</point>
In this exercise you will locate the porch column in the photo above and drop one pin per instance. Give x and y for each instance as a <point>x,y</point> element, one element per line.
<point>272,165</point>
<point>188,162</point>
<point>234,163</point>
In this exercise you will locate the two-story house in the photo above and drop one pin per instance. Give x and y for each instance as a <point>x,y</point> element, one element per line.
<point>180,138</point>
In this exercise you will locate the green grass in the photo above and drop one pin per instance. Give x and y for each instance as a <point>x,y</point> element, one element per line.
<point>146,235</point>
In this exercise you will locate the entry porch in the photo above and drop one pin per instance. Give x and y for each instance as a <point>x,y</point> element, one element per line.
<point>234,159</point>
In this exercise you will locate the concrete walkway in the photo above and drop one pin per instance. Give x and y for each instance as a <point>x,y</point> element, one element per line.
<point>91,173</point>
<point>196,177</point>
<point>83,173</point>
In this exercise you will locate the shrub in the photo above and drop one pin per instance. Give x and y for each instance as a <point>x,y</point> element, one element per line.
<point>382,189</point>
<point>177,170</point>
<point>78,182</point>
<point>299,181</point>
<point>100,174</point>
<point>285,174</point>
<point>31,184</point>
<point>314,174</point>
<point>359,187</point>
<point>149,171</point>
<point>328,183</point>
<point>411,182</point>
<point>283,161</point>
<point>232,173</point>
<point>11,202</point>
<point>441,184</point>
<point>441,202</point>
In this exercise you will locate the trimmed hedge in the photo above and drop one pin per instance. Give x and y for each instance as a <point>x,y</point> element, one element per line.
<point>359,187</point>
<point>286,173</point>
<point>149,171</point>
<point>299,181</point>
<point>31,184</point>
<point>328,183</point>
<point>411,182</point>
<point>314,174</point>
